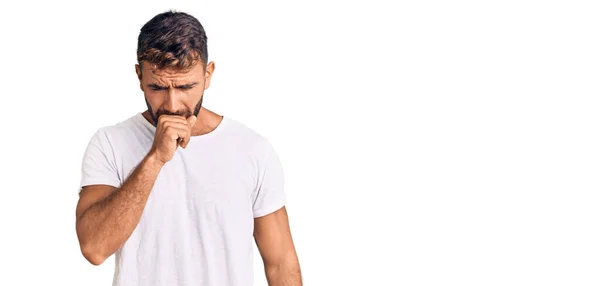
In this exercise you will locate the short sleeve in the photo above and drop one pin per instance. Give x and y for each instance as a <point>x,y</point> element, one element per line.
<point>270,195</point>
<point>98,166</point>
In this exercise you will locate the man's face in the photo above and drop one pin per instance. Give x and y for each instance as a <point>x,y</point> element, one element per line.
<point>173,92</point>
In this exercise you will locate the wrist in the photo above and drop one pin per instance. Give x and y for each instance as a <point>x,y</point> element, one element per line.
<point>153,160</point>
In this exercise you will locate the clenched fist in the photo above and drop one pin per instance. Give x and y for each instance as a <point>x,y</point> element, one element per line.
<point>171,131</point>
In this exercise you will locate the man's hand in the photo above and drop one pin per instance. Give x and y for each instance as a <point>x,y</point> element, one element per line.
<point>171,131</point>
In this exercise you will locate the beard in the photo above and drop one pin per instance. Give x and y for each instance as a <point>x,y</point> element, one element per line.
<point>185,113</point>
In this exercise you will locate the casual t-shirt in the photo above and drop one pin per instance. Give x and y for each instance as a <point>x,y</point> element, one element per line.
<point>197,225</point>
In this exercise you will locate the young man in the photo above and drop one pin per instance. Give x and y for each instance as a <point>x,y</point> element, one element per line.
<point>178,192</point>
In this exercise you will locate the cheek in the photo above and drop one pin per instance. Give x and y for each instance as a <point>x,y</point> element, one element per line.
<point>191,104</point>
<point>192,97</point>
<point>154,98</point>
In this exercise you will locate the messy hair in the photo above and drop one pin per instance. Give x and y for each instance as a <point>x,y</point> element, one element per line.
<point>172,40</point>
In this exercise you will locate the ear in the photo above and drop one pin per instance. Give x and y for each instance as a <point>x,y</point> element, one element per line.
<point>210,68</point>
<point>138,71</point>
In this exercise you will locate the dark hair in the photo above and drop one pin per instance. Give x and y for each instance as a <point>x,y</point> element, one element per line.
<point>172,40</point>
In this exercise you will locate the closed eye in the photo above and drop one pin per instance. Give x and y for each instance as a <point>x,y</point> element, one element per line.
<point>186,86</point>
<point>156,87</point>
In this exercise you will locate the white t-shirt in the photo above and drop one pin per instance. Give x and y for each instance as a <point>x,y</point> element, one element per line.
<point>197,225</point>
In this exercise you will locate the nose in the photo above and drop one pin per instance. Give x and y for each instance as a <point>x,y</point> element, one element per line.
<point>172,101</point>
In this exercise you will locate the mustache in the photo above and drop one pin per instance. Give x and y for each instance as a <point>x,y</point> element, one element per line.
<point>184,113</point>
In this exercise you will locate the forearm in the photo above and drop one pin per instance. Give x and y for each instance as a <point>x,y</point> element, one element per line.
<point>284,274</point>
<point>105,226</point>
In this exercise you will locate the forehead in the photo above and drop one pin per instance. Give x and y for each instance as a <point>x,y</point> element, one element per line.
<point>153,73</point>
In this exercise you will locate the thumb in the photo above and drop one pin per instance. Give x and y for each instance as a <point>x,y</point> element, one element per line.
<point>192,120</point>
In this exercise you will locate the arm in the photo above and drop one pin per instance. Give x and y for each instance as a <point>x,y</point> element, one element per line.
<point>106,216</point>
<point>274,241</point>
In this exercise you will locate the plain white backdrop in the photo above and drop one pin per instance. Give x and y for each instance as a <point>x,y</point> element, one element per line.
<point>423,142</point>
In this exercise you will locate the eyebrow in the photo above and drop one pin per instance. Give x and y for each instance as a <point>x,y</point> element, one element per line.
<point>157,86</point>
<point>189,85</point>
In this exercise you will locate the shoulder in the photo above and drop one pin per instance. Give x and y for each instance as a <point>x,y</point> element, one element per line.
<point>245,135</point>
<point>244,140</point>
<point>108,135</point>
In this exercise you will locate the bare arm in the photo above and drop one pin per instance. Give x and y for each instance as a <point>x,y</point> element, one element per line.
<point>274,241</point>
<point>106,216</point>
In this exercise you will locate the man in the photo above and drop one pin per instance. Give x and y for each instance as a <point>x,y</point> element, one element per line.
<point>178,192</point>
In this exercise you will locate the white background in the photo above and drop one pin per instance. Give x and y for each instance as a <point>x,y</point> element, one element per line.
<point>424,142</point>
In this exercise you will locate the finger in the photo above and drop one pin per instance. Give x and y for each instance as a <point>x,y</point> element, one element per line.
<point>188,137</point>
<point>174,131</point>
<point>182,136</point>
<point>192,120</point>
<point>172,118</point>
<point>173,135</point>
<point>175,125</point>
<point>177,132</point>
